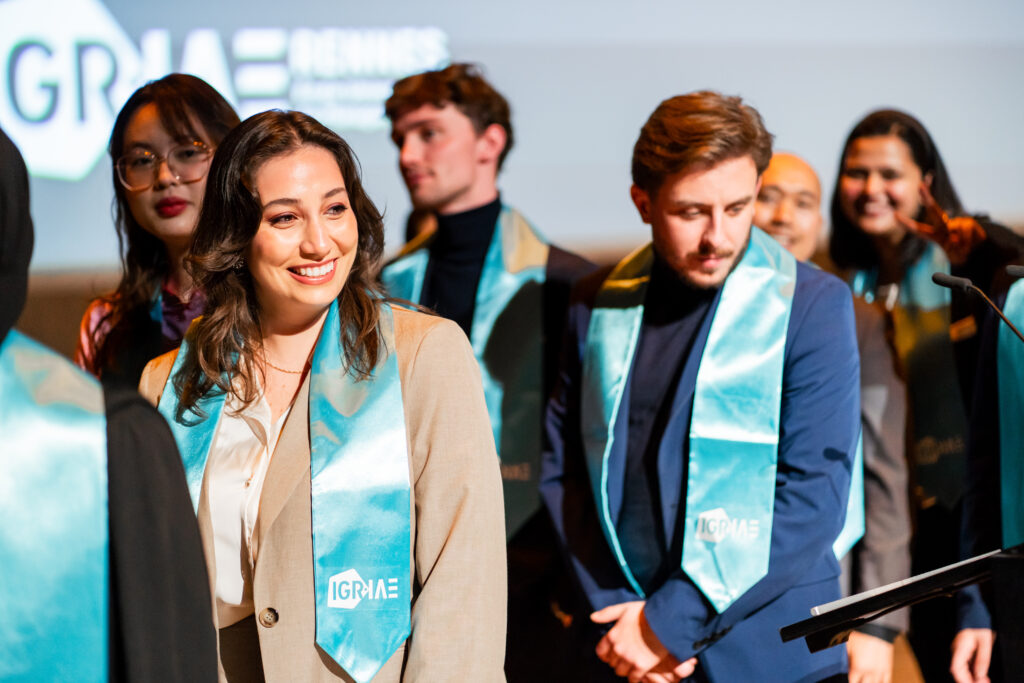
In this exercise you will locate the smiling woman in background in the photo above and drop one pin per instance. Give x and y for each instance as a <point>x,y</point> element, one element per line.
<point>161,146</point>
<point>896,220</point>
<point>337,446</point>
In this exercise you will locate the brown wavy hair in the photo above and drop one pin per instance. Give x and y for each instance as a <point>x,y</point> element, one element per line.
<point>698,130</point>
<point>225,342</point>
<point>462,85</point>
<point>182,101</point>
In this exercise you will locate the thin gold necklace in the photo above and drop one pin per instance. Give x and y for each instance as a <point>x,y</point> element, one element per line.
<point>289,372</point>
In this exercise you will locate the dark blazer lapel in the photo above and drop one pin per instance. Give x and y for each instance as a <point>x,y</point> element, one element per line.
<point>289,465</point>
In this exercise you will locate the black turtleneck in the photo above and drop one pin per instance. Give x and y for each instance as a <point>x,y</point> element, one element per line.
<point>456,260</point>
<point>673,313</point>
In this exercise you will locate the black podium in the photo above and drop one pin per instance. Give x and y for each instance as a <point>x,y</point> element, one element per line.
<point>831,623</point>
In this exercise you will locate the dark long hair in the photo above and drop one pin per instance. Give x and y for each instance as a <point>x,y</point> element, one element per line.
<point>848,246</point>
<point>224,343</point>
<point>182,101</point>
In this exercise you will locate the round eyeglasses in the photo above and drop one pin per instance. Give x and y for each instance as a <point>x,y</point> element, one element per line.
<point>188,163</point>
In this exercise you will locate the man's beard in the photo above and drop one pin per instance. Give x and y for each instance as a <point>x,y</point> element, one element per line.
<point>703,286</point>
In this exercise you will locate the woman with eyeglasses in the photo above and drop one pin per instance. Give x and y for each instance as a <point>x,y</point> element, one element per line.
<point>161,147</point>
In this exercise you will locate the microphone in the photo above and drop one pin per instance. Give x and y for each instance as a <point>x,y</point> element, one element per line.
<point>1015,271</point>
<point>951,282</point>
<point>964,284</point>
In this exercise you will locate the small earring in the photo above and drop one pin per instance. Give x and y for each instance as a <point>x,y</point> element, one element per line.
<point>239,264</point>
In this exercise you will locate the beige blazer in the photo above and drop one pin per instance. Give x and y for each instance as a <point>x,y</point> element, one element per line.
<point>458,539</point>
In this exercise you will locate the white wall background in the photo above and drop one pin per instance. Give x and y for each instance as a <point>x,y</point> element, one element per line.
<point>582,76</point>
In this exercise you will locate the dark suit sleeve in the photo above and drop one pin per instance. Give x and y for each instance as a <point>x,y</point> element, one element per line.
<point>818,435</point>
<point>564,482</point>
<point>161,622</point>
<point>985,264</point>
<point>981,523</point>
<point>533,552</point>
<point>564,270</point>
<point>986,268</point>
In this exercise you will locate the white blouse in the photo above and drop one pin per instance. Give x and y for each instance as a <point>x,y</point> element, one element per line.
<point>235,472</point>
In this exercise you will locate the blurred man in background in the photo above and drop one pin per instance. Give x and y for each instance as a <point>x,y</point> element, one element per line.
<point>484,266</point>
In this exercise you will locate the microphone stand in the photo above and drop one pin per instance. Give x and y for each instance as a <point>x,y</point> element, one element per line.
<point>1006,567</point>
<point>832,623</point>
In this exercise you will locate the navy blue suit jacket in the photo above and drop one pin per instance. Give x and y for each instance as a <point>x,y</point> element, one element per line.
<point>820,422</point>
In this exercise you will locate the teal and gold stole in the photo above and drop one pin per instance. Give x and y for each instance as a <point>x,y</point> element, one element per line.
<point>54,530</point>
<point>1010,365</point>
<point>359,470</point>
<point>734,429</point>
<point>507,342</point>
<point>921,324</point>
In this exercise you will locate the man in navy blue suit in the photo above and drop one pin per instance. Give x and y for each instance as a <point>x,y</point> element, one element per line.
<point>703,428</point>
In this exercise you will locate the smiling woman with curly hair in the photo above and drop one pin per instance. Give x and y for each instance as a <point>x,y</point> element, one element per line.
<point>336,444</point>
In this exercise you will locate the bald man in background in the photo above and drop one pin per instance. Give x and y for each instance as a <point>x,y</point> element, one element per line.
<point>789,209</point>
<point>789,205</point>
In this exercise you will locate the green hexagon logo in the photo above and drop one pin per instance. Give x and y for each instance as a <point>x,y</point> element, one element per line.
<point>67,68</point>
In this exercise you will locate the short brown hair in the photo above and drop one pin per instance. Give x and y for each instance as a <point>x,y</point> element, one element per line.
<point>698,130</point>
<point>461,85</point>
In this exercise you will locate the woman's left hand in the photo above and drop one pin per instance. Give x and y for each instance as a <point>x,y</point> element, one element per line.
<point>957,235</point>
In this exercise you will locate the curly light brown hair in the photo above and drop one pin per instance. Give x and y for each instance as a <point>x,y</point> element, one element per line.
<point>223,345</point>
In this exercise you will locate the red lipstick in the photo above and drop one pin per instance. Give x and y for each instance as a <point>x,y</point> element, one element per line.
<point>169,207</point>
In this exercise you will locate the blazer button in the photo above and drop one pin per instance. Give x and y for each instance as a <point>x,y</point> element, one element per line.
<point>268,617</point>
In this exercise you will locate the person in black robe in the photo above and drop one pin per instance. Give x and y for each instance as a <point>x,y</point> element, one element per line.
<point>160,615</point>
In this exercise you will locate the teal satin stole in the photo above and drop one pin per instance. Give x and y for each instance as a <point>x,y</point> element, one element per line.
<point>506,336</point>
<point>921,322</point>
<point>1010,364</point>
<point>731,478</point>
<point>360,491</point>
<point>156,307</point>
<point>54,534</point>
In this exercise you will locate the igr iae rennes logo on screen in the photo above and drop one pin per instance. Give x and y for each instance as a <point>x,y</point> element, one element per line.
<point>68,66</point>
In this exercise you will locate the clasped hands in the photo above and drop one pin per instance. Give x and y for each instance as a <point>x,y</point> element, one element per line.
<point>633,650</point>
